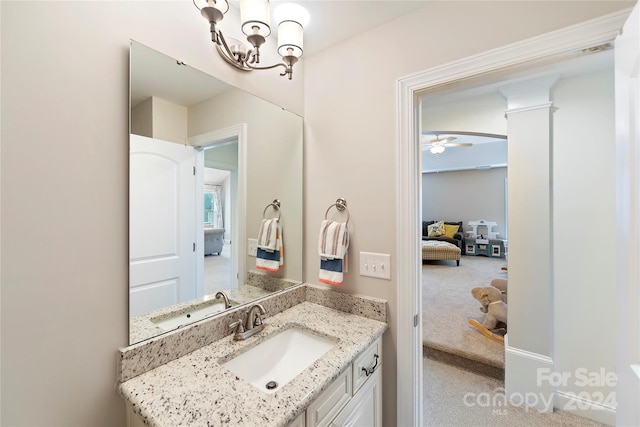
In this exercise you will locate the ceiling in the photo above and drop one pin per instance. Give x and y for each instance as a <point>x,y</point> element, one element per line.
<point>334,21</point>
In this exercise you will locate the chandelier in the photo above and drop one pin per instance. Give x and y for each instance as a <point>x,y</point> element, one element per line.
<point>255,19</point>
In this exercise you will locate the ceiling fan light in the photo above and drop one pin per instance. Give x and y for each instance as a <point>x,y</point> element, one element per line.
<point>437,149</point>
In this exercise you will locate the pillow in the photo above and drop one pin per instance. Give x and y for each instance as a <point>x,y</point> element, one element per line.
<point>436,229</point>
<point>450,230</point>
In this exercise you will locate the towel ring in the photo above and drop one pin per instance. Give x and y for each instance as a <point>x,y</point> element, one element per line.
<point>275,205</point>
<point>341,205</point>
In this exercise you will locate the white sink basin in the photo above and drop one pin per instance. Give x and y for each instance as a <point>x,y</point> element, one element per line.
<point>276,361</point>
<point>173,322</point>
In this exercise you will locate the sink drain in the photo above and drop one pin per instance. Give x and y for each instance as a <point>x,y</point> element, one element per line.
<point>271,385</point>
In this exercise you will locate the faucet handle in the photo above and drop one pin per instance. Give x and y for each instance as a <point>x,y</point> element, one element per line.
<point>238,324</point>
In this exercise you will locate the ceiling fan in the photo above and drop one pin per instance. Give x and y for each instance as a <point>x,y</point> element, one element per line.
<point>438,144</point>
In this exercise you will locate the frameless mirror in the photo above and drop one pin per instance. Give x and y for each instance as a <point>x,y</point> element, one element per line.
<point>206,162</point>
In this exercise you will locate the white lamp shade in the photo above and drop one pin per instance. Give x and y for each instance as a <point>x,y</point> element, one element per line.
<point>290,37</point>
<point>437,149</point>
<point>221,5</point>
<point>255,17</point>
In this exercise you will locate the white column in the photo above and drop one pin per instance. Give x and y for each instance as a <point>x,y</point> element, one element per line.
<point>528,349</point>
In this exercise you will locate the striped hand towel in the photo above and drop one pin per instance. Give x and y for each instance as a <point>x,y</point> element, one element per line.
<point>333,243</point>
<point>269,259</point>
<point>267,234</point>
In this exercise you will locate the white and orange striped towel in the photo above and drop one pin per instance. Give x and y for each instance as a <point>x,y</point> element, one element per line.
<point>333,242</point>
<point>267,234</point>
<point>270,252</point>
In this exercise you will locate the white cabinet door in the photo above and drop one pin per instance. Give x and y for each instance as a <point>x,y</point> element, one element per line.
<point>329,403</point>
<point>162,261</point>
<point>365,409</point>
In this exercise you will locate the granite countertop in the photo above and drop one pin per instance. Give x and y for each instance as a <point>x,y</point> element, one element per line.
<point>142,327</point>
<point>195,390</point>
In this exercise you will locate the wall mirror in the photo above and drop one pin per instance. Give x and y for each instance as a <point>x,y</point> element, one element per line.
<point>206,162</point>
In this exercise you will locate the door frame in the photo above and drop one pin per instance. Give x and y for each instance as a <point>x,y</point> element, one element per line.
<point>547,48</point>
<point>238,226</point>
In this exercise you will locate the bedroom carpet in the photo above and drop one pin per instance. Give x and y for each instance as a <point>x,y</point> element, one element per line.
<point>455,397</point>
<point>217,271</point>
<point>447,304</point>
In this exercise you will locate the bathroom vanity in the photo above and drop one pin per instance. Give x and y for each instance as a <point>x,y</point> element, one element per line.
<point>341,386</point>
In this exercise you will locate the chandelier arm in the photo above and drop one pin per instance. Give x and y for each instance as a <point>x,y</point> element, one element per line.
<point>268,67</point>
<point>222,42</point>
<point>246,61</point>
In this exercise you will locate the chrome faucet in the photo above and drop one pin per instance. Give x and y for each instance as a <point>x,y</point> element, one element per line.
<point>254,319</point>
<point>249,323</point>
<point>224,296</point>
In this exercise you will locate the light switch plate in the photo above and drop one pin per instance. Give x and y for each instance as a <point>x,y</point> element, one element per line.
<point>375,265</point>
<point>253,247</point>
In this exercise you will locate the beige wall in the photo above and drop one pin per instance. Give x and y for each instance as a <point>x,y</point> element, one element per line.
<point>65,75</point>
<point>350,139</point>
<point>274,165</point>
<point>64,159</point>
<point>160,119</point>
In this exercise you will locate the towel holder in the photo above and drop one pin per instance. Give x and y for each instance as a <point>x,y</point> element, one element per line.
<point>276,207</point>
<point>341,205</point>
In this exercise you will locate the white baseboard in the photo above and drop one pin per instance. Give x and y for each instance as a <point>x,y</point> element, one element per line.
<point>523,384</point>
<point>586,408</point>
<point>521,381</point>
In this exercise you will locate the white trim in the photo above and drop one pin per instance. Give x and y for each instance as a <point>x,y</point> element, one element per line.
<point>586,408</point>
<point>409,364</point>
<point>521,378</point>
<point>467,168</point>
<point>529,108</point>
<point>547,48</point>
<point>528,355</point>
<point>627,227</point>
<point>238,233</point>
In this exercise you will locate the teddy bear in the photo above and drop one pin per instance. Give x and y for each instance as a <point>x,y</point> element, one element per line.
<point>492,304</point>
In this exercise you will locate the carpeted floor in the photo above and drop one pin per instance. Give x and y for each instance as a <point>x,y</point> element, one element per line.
<point>217,271</point>
<point>447,304</point>
<point>455,397</point>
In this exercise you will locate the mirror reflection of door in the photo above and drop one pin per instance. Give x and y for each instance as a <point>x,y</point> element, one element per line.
<point>162,217</point>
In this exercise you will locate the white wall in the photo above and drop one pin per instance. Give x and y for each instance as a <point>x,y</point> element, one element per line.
<point>64,157</point>
<point>350,135</point>
<point>465,196</point>
<point>583,227</point>
<point>480,114</point>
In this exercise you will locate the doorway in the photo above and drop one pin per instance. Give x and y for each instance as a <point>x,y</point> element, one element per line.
<point>485,69</point>
<point>463,181</point>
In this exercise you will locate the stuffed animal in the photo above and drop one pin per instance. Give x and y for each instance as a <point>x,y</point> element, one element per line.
<point>492,304</point>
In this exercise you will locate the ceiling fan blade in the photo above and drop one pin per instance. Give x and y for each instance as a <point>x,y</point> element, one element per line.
<point>441,141</point>
<point>458,144</point>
